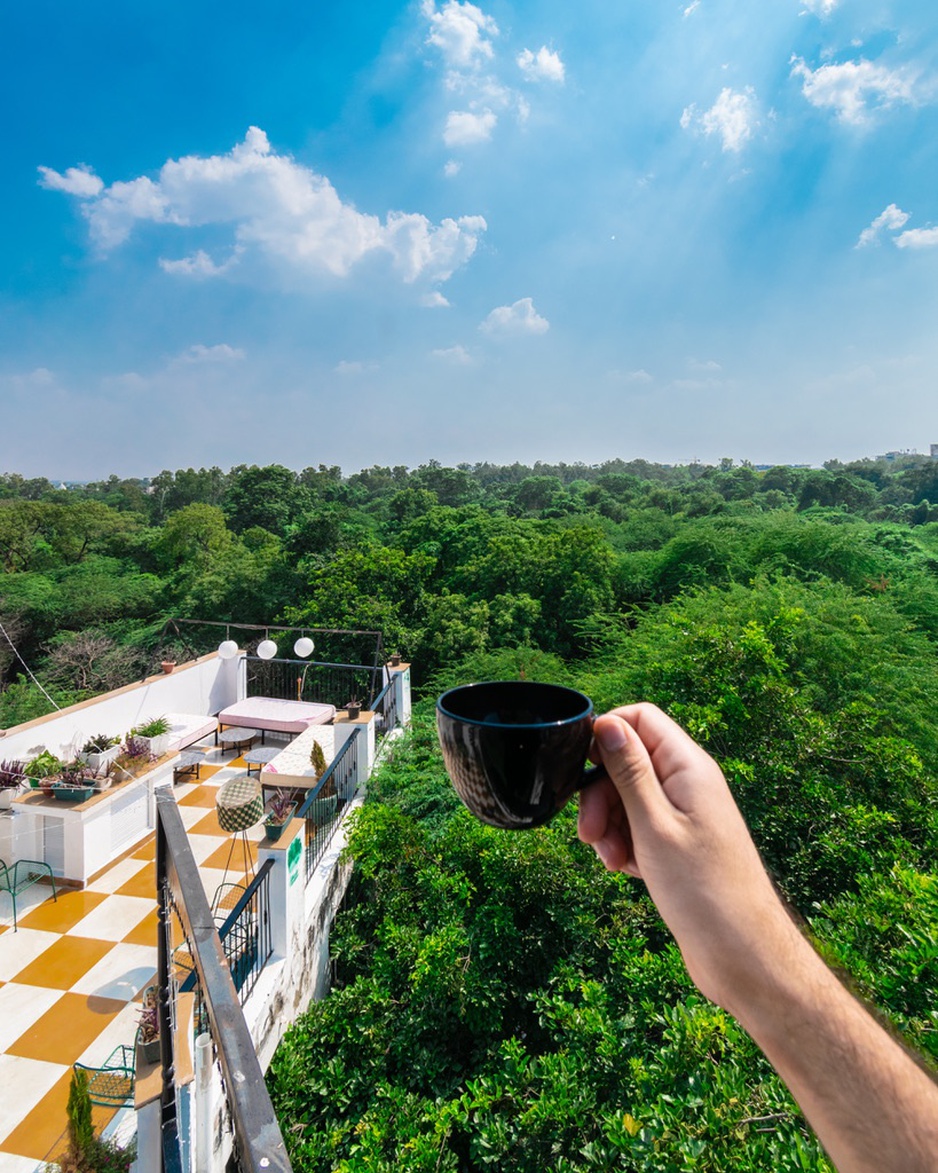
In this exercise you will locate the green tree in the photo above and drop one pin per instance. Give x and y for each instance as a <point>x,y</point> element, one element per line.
<point>271,497</point>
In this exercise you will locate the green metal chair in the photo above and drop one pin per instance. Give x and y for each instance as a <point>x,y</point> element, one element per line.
<point>22,875</point>
<point>111,1085</point>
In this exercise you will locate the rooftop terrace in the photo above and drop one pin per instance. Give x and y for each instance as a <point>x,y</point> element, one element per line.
<point>73,970</point>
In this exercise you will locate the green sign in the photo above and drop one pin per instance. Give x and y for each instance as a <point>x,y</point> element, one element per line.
<point>294,851</point>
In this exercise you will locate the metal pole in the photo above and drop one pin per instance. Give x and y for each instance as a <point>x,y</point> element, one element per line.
<point>204,1067</point>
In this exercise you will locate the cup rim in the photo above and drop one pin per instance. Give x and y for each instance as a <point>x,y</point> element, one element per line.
<point>586,711</point>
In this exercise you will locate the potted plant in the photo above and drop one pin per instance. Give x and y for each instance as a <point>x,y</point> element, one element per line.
<point>148,1032</point>
<point>317,759</point>
<point>11,778</point>
<point>134,756</point>
<point>395,659</point>
<point>353,708</point>
<point>43,770</point>
<point>155,733</point>
<point>76,783</point>
<point>99,751</point>
<point>280,810</point>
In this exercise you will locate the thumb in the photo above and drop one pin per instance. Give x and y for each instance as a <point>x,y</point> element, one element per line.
<point>628,764</point>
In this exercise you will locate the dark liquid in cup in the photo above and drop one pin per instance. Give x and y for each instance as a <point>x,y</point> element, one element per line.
<point>514,750</point>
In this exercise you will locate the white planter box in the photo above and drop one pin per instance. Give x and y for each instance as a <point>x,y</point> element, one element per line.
<point>156,745</point>
<point>100,761</point>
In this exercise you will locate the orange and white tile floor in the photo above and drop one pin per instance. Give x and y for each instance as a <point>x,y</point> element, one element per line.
<point>70,974</point>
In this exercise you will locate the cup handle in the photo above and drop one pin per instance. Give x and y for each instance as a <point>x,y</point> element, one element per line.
<point>590,775</point>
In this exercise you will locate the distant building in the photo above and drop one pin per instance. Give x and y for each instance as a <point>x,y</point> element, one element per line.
<point>934,451</point>
<point>903,454</point>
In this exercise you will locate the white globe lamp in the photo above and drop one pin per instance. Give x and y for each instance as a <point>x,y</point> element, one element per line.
<point>267,649</point>
<point>227,649</point>
<point>304,647</point>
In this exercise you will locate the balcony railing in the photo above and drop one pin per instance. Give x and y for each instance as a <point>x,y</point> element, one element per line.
<point>245,934</point>
<point>319,682</point>
<point>323,810</point>
<point>384,706</point>
<point>258,1143</point>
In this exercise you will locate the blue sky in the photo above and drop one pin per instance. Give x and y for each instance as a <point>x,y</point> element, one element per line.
<point>385,233</point>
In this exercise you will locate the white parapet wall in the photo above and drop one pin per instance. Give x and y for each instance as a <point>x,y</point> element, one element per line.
<point>202,686</point>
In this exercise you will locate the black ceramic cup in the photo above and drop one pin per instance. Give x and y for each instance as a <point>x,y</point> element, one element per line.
<point>514,750</point>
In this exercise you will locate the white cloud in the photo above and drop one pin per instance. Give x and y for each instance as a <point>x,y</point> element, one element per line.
<point>78,181</point>
<point>434,300</point>
<point>640,377</point>
<point>464,128</point>
<point>519,318</point>
<point>460,32</point>
<point>891,218</point>
<point>732,117</point>
<point>39,377</point>
<point>199,264</point>
<point>280,210</point>
<point>851,87</point>
<point>820,7</point>
<point>918,238</point>
<point>703,366</point>
<point>543,65</point>
<point>463,33</point>
<point>454,354</point>
<point>222,353</point>
<point>692,7</point>
<point>452,168</point>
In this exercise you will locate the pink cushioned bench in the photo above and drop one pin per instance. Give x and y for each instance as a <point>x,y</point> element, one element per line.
<point>268,713</point>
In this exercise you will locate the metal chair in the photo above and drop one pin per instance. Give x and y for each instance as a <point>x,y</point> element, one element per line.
<point>112,1084</point>
<point>22,875</point>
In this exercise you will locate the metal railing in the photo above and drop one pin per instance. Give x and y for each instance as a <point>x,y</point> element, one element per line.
<point>385,710</point>
<point>315,681</point>
<point>325,804</point>
<point>245,934</point>
<point>258,1144</point>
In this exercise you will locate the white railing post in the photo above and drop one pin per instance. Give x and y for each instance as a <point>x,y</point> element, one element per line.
<point>400,676</point>
<point>285,885</point>
<point>363,751</point>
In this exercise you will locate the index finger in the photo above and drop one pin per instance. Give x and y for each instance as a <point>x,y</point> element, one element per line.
<point>668,745</point>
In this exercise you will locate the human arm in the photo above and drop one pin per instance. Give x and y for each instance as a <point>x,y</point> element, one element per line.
<point>666,814</point>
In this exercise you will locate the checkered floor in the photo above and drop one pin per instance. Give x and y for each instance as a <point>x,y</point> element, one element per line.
<point>70,975</point>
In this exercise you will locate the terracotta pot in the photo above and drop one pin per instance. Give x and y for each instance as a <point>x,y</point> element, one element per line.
<point>168,666</point>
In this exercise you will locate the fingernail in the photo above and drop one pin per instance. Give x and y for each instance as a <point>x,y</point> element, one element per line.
<point>610,735</point>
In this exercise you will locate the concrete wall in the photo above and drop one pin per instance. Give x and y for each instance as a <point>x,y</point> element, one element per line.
<point>202,686</point>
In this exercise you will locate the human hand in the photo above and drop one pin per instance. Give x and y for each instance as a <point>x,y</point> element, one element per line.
<point>666,814</point>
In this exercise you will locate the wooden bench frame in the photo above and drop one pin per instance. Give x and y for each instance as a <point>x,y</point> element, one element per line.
<point>22,875</point>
